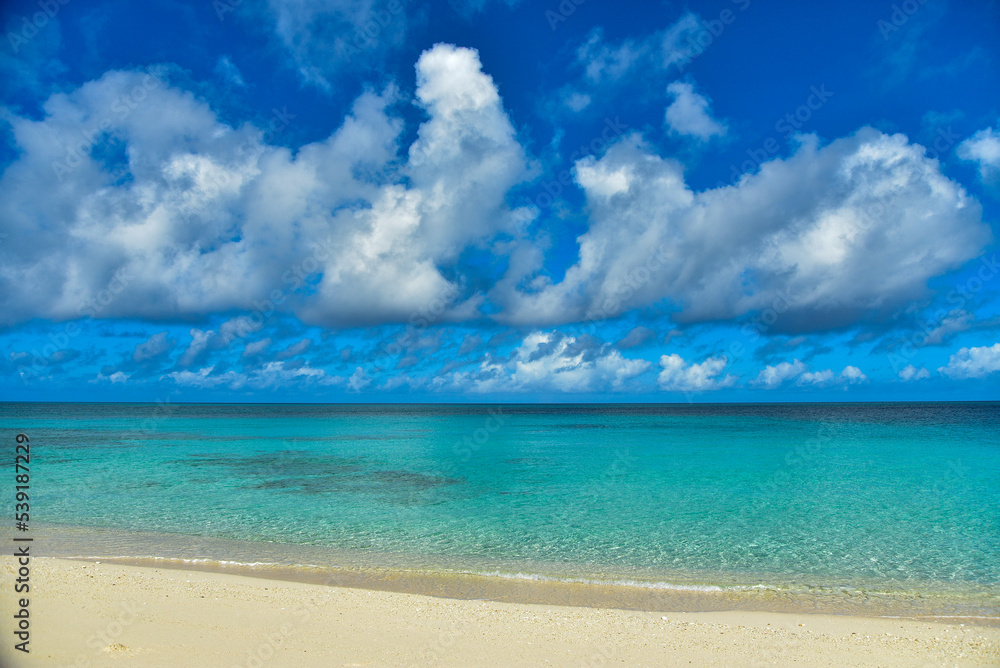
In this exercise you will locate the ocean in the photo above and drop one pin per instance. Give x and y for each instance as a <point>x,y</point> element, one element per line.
<point>874,508</point>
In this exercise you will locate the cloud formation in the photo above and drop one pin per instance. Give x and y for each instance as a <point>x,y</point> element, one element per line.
<point>321,37</point>
<point>550,361</point>
<point>200,217</point>
<point>826,237</point>
<point>678,375</point>
<point>773,376</point>
<point>975,362</point>
<point>910,372</point>
<point>983,148</point>
<point>689,113</point>
<point>672,47</point>
<point>131,199</point>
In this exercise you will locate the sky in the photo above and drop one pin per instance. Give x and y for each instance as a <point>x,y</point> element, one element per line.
<point>499,200</point>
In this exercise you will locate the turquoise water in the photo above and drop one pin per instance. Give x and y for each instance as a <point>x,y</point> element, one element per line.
<point>898,496</point>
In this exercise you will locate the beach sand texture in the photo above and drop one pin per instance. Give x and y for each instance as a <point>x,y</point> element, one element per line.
<point>99,614</point>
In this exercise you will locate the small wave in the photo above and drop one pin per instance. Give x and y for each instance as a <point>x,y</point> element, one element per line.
<point>183,560</point>
<point>638,584</point>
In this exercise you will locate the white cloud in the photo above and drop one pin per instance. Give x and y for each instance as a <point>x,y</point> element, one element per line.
<point>359,380</point>
<point>827,236</point>
<point>689,113</point>
<point>678,375</point>
<point>179,216</point>
<point>549,361</point>
<point>675,45</point>
<point>852,374</point>
<point>911,372</point>
<point>116,377</point>
<point>464,161</point>
<point>281,374</point>
<point>975,362</point>
<point>213,219</point>
<point>271,375</point>
<point>203,341</point>
<point>816,377</point>
<point>773,376</point>
<point>203,378</point>
<point>983,148</point>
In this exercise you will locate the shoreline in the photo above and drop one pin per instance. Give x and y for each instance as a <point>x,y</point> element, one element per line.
<point>111,614</point>
<point>315,565</point>
<point>508,588</point>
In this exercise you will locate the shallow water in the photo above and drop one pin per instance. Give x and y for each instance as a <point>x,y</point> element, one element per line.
<point>819,501</point>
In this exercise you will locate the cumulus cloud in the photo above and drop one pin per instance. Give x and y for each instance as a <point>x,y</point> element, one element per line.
<point>201,217</point>
<point>983,148</point>
<point>976,362</point>
<point>676,374</point>
<point>129,198</point>
<point>465,159</point>
<point>852,374</point>
<point>831,235</point>
<point>773,376</point>
<point>550,361</point>
<point>689,113</point>
<point>118,377</point>
<point>816,377</point>
<point>181,205</point>
<point>911,372</point>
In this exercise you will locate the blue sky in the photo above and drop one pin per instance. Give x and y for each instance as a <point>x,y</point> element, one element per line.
<point>485,200</point>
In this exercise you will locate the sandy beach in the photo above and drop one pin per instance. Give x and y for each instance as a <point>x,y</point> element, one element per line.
<point>99,614</point>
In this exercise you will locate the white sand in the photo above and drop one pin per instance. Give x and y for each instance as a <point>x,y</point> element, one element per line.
<point>85,614</point>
